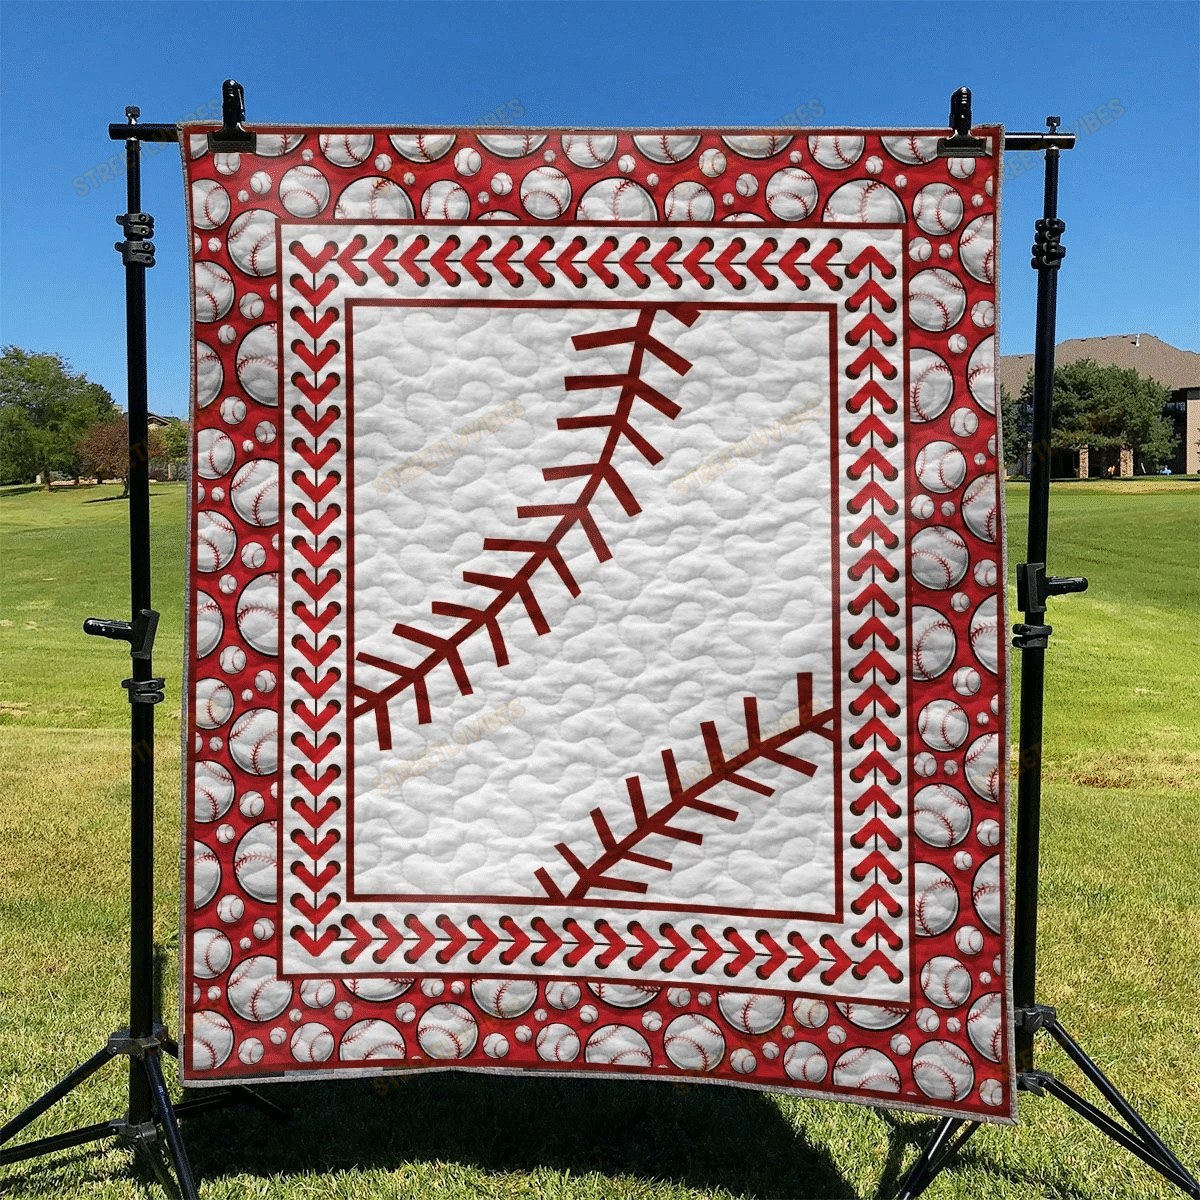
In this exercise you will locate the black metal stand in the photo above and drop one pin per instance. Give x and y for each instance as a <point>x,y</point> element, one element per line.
<point>150,1119</point>
<point>1031,637</point>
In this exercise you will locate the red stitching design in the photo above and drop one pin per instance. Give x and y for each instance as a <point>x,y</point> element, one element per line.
<point>868,539</point>
<point>597,875</point>
<point>519,586</point>
<point>552,258</point>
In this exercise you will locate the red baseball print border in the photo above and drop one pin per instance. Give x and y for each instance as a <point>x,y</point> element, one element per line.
<point>680,220</point>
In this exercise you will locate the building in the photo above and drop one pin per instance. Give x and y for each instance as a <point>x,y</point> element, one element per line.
<point>1177,370</point>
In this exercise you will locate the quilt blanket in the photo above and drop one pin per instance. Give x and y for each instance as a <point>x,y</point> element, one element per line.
<point>596,656</point>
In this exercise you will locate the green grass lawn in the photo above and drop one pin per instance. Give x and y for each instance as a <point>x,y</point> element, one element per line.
<point>1120,915</point>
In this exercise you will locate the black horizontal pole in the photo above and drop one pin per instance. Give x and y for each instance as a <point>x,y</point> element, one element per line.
<point>1026,141</point>
<point>145,133</point>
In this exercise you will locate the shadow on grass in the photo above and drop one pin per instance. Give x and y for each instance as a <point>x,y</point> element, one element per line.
<point>700,1137</point>
<point>907,1137</point>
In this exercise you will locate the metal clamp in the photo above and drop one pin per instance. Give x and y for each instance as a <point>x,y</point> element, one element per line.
<point>1032,637</point>
<point>961,144</point>
<point>1036,1017</point>
<point>136,251</point>
<point>1048,251</point>
<point>145,691</point>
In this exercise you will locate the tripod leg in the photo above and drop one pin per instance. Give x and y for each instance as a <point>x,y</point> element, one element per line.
<point>160,1103</point>
<point>1152,1144</point>
<point>56,1093</point>
<point>948,1137</point>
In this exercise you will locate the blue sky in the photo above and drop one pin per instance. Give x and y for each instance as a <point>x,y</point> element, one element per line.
<point>1125,74</point>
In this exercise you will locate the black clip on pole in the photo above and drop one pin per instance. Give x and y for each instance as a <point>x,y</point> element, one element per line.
<point>232,137</point>
<point>961,144</point>
<point>139,633</point>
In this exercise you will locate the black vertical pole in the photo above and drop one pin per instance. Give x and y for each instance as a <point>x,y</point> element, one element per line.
<point>1033,648</point>
<point>141,867</point>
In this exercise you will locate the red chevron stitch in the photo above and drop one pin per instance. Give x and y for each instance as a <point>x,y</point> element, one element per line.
<point>598,875</point>
<point>519,586</point>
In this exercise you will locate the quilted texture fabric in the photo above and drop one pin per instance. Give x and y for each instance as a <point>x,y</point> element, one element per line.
<point>595,649</point>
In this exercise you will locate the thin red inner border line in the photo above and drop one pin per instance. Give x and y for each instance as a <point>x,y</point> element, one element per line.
<point>838,915</point>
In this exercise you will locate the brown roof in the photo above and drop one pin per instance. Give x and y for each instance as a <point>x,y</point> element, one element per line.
<point>1145,353</point>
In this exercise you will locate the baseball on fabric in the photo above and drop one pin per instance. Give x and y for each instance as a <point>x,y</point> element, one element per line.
<point>981,374</point>
<point>938,209</point>
<point>981,765</point>
<point>941,815</point>
<point>211,1040</point>
<point>445,200</point>
<point>943,725</point>
<point>257,613</point>
<point>562,995</point>
<point>616,199</point>
<point>984,633</point>
<point>939,557</point>
<point>805,1062</point>
<point>985,893</point>
<point>211,953</point>
<point>940,466</point>
<point>945,981</point>
<point>667,147</point>
<point>511,145</point>
<point>504,998</point>
<point>980,508</point>
<point>545,193</point>
<point>810,1013</point>
<point>712,163</point>
<point>213,791</point>
<point>255,492</point>
<point>936,299</point>
<point>870,1070</point>
<point>346,149</point>
<point>751,1012</point>
<point>934,644</point>
<point>943,1071</point>
<point>373,199</point>
<point>792,194</point>
<point>447,1031</point>
<point>977,249</point>
<point>557,1043</point>
<point>589,150</point>
<point>230,909</point>
<point>311,1043</point>
<point>984,1028</point>
<point>422,147</point>
<point>757,145</point>
<point>258,363</point>
<point>935,903</point>
<point>625,995</point>
<point>694,1042</point>
<point>251,242</point>
<point>254,861</point>
<point>468,161</point>
<point>864,200</point>
<point>873,1016</point>
<point>689,201</point>
<point>252,741</point>
<point>837,151</point>
<point>618,1046</point>
<point>930,385</point>
<point>216,541</point>
<point>378,987</point>
<point>304,192</point>
<point>255,991</point>
<point>371,1039</point>
<point>210,204</point>
<point>213,292</point>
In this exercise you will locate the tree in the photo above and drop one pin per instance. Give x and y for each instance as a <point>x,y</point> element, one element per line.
<point>176,440</point>
<point>104,450</point>
<point>45,409</point>
<point>1017,425</point>
<point>1109,408</point>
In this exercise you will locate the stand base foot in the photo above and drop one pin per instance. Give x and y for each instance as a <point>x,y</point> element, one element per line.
<point>153,1135</point>
<point>1131,1131</point>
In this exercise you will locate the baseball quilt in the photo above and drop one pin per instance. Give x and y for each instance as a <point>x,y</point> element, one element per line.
<point>595,647</point>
